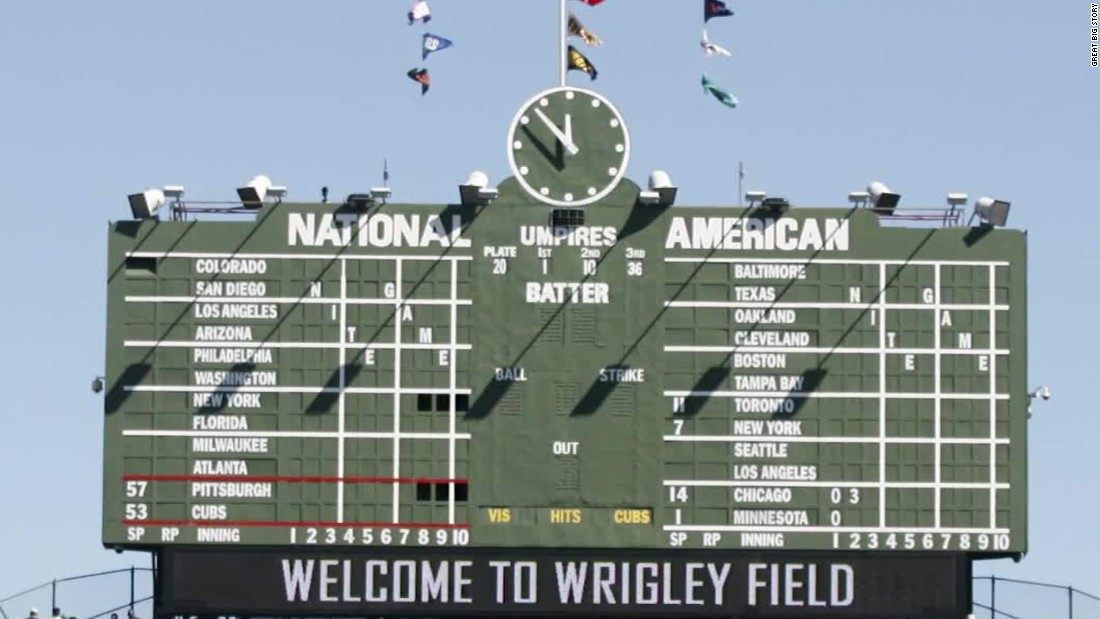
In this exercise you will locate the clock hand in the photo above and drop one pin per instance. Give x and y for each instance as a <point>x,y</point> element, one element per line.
<point>566,141</point>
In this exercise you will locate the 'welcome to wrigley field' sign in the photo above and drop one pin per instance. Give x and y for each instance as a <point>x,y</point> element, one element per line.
<point>411,378</point>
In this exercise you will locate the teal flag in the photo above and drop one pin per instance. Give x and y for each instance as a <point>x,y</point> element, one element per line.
<point>723,95</point>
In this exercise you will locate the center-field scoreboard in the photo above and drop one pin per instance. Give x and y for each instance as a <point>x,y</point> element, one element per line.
<point>529,374</point>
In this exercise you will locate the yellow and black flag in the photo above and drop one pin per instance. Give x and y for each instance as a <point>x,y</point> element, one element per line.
<point>578,62</point>
<point>577,29</point>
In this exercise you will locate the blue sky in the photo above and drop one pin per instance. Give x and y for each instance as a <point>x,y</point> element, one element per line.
<point>100,99</point>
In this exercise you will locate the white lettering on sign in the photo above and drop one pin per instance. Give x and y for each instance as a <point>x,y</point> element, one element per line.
<point>384,581</point>
<point>231,266</point>
<point>771,338</point>
<point>219,467</point>
<point>764,316</point>
<point>225,400</point>
<point>236,379</point>
<point>784,234</point>
<point>762,495</point>
<point>567,292</point>
<point>571,236</point>
<point>492,251</point>
<point>622,375</point>
<point>510,375</point>
<point>228,444</point>
<point>231,490</point>
<point>217,534</point>
<point>221,333</point>
<point>788,472</point>
<point>209,512</point>
<point>219,422</point>
<point>232,355</point>
<point>565,448</point>
<point>642,583</point>
<point>769,361</point>
<point>760,450</point>
<point>769,271</point>
<point>771,517</point>
<point>766,406</point>
<point>796,585</point>
<point>762,540</point>
<point>255,311</point>
<point>768,382</point>
<point>376,230</point>
<point>753,293</point>
<point>230,289</point>
<point>772,427</point>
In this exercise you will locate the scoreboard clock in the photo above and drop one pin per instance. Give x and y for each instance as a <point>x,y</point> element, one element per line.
<point>568,147</point>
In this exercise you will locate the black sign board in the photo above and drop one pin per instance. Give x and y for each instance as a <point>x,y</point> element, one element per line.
<point>560,582</point>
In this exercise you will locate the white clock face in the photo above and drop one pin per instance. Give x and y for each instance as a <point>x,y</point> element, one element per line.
<point>568,147</point>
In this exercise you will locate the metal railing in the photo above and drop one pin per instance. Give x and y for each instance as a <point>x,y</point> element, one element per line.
<point>1072,598</point>
<point>53,586</point>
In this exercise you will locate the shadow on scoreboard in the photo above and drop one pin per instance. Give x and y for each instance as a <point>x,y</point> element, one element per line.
<point>134,374</point>
<point>715,379</point>
<point>330,394</point>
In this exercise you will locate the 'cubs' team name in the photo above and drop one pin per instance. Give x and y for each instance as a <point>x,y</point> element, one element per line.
<point>377,230</point>
<point>237,310</point>
<point>223,333</point>
<point>579,236</point>
<point>230,490</point>
<point>771,338</point>
<point>236,379</point>
<point>231,355</point>
<point>769,271</point>
<point>219,467</point>
<point>219,422</point>
<point>567,292</point>
<point>226,444</point>
<point>771,517</point>
<point>759,450</point>
<point>784,234</point>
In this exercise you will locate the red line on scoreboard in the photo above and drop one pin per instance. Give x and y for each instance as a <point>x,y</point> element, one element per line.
<point>263,523</point>
<point>298,479</point>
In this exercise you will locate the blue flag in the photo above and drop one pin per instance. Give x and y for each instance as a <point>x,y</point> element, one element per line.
<point>434,43</point>
<point>715,8</point>
<point>723,95</point>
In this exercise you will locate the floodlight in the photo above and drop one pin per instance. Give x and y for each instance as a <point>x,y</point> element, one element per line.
<point>381,193</point>
<point>957,199</point>
<point>259,189</point>
<point>173,191</point>
<point>97,384</point>
<point>755,196</point>
<point>476,190</point>
<point>993,212</point>
<point>859,198</point>
<point>144,204</point>
<point>661,190</point>
<point>883,199</point>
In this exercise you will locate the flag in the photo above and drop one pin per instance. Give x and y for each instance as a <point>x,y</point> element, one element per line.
<point>421,76</point>
<point>712,49</point>
<point>420,10</point>
<point>719,93</point>
<point>715,8</point>
<point>591,2</point>
<point>577,29</point>
<point>580,63</point>
<point>433,43</point>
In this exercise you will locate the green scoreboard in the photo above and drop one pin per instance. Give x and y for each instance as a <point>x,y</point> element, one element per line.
<point>411,375</point>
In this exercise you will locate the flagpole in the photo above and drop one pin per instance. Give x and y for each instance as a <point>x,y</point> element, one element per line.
<point>561,43</point>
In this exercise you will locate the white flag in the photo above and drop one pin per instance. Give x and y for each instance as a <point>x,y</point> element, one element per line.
<point>420,10</point>
<point>711,48</point>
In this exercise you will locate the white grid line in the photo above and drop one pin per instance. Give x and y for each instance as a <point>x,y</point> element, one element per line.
<point>937,402</point>
<point>823,350</point>
<point>713,259</point>
<point>275,256</point>
<point>289,345</point>
<point>301,389</point>
<point>882,395</point>
<point>838,395</point>
<point>296,434</point>
<point>796,529</point>
<point>397,301</point>
<point>917,440</point>
<point>340,398</point>
<point>779,305</point>
<point>734,483</point>
<point>289,300</point>
<point>453,384</point>
<point>992,401</point>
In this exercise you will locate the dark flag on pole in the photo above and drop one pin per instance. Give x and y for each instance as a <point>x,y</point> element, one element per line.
<point>591,2</point>
<point>724,96</point>
<point>421,77</point>
<point>578,62</point>
<point>433,43</point>
<point>715,8</point>
<point>577,29</point>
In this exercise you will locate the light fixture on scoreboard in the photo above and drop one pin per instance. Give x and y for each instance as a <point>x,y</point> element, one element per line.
<point>957,199</point>
<point>476,190</point>
<point>661,190</point>
<point>859,198</point>
<point>145,204</point>
<point>991,211</point>
<point>774,206</point>
<point>883,200</point>
<point>258,190</point>
<point>755,197</point>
